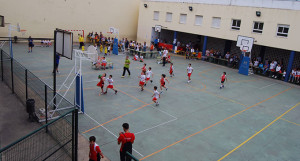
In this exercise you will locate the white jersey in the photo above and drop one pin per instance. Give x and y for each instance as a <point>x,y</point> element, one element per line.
<point>190,69</point>
<point>110,81</point>
<point>272,66</point>
<point>278,68</point>
<point>136,56</point>
<point>156,94</point>
<point>108,48</point>
<point>165,53</point>
<point>104,61</point>
<point>298,73</point>
<point>294,72</point>
<point>141,57</point>
<point>143,78</point>
<point>148,73</point>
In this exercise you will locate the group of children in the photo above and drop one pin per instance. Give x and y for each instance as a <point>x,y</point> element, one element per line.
<point>138,58</point>
<point>46,43</point>
<point>106,48</point>
<point>147,75</point>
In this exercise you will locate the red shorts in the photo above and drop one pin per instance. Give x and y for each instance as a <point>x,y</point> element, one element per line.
<point>135,59</point>
<point>154,99</point>
<point>163,84</point>
<point>103,64</point>
<point>272,70</point>
<point>298,76</point>
<point>147,79</point>
<point>142,83</point>
<point>110,86</point>
<point>189,74</point>
<point>100,84</point>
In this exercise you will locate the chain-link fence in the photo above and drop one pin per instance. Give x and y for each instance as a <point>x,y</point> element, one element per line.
<point>54,140</point>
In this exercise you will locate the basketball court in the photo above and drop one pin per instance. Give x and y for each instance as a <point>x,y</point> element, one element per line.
<point>252,118</point>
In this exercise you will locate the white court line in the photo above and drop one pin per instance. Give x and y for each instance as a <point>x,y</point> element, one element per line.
<point>163,111</point>
<point>111,132</point>
<point>155,126</point>
<point>268,86</point>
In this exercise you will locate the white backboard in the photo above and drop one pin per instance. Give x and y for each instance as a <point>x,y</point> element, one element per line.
<point>64,43</point>
<point>157,28</point>
<point>245,43</point>
<point>112,29</point>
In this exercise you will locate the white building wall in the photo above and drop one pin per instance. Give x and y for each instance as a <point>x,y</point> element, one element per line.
<point>270,17</point>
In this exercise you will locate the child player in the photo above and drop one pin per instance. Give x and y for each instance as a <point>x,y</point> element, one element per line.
<point>223,78</point>
<point>163,80</point>
<point>101,83</point>
<point>171,71</point>
<point>189,72</point>
<point>142,81</point>
<point>110,84</point>
<point>148,75</point>
<point>155,96</point>
<point>144,69</point>
<point>103,63</point>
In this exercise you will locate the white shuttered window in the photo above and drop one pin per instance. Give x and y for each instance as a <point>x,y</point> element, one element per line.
<point>216,22</point>
<point>169,17</point>
<point>198,20</point>
<point>182,19</point>
<point>156,15</point>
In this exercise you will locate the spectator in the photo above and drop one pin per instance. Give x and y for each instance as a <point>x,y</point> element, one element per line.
<point>165,54</point>
<point>95,152</point>
<point>156,41</point>
<point>127,139</point>
<point>126,44</point>
<point>278,71</point>
<point>81,42</point>
<point>261,67</point>
<point>292,75</point>
<point>283,75</point>
<point>144,47</point>
<point>227,56</point>
<point>297,76</point>
<point>272,69</point>
<point>266,68</point>
<point>255,63</point>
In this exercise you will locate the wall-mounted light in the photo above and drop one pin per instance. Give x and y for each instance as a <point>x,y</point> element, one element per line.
<point>145,5</point>
<point>258,13</point>
<point>190,8</point>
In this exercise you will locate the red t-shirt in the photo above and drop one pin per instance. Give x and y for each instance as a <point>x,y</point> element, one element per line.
<point>223,77</point>
<point>126,137</point>
<point>94,149</point>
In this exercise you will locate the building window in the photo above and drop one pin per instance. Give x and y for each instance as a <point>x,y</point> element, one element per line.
<point>183,18</point>
<point>258,27</point>
<point>236,24</point>
<point>283,30</point>
<point>169,17</point>
<point>216,22</point>
<point>156,15</point>
<point>198,20</point>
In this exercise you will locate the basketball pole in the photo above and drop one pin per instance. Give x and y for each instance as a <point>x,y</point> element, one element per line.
<point>54,71</point>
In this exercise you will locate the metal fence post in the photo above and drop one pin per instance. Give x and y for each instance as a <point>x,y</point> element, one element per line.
<point>2,65</point>
<point>46,110</point>
<point>26,84</point>
<point>73,135</point>
<point>12,74</point>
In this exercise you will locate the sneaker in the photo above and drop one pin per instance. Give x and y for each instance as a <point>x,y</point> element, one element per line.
<point>142,89</point>
<point>166,89</point>
<point>221,87</point>
<point>151,81</point>
<point>116,92</point>
<point>145,85</point>
<point>157,104</point>
<point>161,92</point>
<point>123,77</point>
<point>104,92</point>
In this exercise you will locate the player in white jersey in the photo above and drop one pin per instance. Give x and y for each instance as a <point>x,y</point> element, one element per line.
<point>142,80</point>
<point>110,84</point>
<point>149,73</point>
<point>155,96</point>
<point>189,72</point>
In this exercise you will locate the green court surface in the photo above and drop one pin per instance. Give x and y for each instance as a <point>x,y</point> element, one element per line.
<point>252,118</point>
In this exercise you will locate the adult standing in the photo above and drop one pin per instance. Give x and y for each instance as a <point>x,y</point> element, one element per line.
<point>57,57</point>
<point>165,54</point>
<point>127,139</point>
<point>30,44</point>
<point>81,41</point>
<point>126,66</point>
<point>95,152</point>
<point>156,41</point>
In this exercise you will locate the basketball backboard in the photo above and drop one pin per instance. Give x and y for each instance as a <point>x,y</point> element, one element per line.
<point>245,43</point>
<point>2,21</point>
<point>157,28</point>
<point>64,43</point>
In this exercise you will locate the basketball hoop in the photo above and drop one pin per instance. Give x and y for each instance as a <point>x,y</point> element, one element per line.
<point>23,32</point>
<point>109,32</point>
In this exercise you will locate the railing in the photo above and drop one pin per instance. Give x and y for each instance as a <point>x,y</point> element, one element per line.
<point>26,86</point>
<point>56,140</point>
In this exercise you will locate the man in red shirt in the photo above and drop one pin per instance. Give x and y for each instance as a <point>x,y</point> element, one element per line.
<point>95,151</point>
<point>127,139</point>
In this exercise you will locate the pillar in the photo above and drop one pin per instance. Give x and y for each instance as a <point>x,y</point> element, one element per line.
<point>227,47</point>
<point>262,53</point>
<point>290,65</point>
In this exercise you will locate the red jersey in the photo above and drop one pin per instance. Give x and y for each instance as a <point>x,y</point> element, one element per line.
<point>162,81</point>
<point>94,149</point>
<point>223,77</point>
<point>126,137</point>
